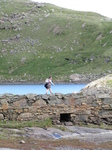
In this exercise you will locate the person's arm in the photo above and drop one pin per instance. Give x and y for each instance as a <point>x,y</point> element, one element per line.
<point>51,82</point>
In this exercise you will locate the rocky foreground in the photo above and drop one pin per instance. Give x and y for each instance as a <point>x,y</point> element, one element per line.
<point>73,138</point>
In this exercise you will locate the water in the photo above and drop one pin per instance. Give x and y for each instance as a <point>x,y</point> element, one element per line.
<point>40,89</point>
<point>57,135</point>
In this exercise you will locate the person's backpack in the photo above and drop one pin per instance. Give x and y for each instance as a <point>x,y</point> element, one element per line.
<point>47,84</point>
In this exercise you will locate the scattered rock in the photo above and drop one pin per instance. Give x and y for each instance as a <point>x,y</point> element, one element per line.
<point>68,123</point>
<point>22,142</point>
<point>99,36</point>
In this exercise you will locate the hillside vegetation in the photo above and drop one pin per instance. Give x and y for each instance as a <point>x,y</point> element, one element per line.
<point>38,40</point>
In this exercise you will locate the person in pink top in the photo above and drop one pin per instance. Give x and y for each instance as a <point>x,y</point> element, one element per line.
<point>48,83</point>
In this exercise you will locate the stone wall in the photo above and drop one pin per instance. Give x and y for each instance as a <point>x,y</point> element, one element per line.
<point>68,109</point>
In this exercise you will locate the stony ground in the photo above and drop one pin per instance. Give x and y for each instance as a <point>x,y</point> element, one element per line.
<point>53,145</point>
<point>73,138</point>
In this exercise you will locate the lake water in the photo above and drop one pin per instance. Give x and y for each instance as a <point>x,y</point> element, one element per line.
<point>40,89</point>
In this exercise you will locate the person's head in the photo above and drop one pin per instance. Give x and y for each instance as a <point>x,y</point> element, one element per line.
<point>50,77</point>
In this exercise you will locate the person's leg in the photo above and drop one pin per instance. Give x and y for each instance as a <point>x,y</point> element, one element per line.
<point>50,90</point>
<point>47,91</point>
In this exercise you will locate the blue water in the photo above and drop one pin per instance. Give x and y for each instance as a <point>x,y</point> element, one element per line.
<point>57,135</point>
<point>40,89</point>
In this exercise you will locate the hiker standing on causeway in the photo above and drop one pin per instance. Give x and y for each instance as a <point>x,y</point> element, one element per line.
<point>48,83</point>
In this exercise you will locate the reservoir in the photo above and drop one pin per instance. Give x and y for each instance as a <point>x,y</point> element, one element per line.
<point>22,89</point>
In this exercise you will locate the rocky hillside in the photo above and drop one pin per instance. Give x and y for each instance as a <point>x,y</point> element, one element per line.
<point>38,40</point>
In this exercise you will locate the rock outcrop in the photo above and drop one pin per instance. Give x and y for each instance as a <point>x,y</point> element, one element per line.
<point>99,86</point>
<point>84,78</point>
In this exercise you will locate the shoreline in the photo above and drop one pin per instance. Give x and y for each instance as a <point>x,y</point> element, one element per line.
<point>40,82</point>
<point>73,79</point>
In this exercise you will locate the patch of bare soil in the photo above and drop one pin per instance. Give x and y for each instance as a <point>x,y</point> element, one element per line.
<point>32,144</point>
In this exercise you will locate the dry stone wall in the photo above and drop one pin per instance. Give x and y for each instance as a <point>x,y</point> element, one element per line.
<point>68,109</point>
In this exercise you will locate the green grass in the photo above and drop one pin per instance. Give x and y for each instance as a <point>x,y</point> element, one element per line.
<point>109,83</point>
<point>59,45</point>
<point>16,124</point>
<point>44,124</point>
<point>101,126</point>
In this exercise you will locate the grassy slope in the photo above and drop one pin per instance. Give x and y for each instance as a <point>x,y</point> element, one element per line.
<point>51,40</point>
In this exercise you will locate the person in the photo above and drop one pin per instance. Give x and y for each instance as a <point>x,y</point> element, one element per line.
<point>48,83</point>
